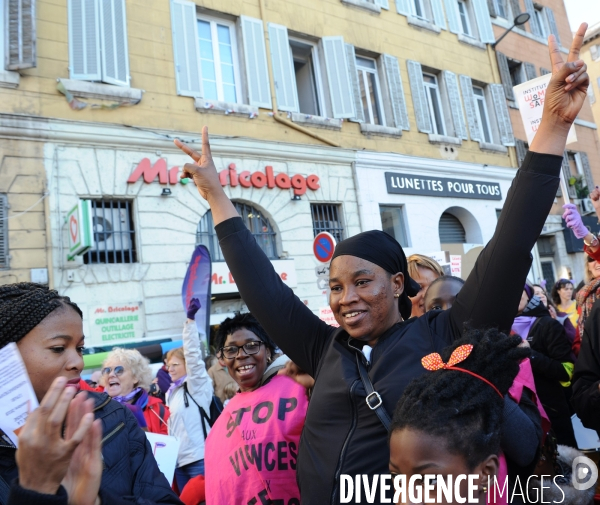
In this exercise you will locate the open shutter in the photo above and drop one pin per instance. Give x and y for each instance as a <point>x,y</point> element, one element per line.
<point>384,4</point>
<point>84,40</point>
<point>591,95</point>
<point>396,90</point>
<point>356,95</point>
<point>544,71</point>
<point>417,89</point>
<point>185,48</point>
<point>484,23</point>
<point>21,35</point>
<point>4,232</point>
<point>530,72</point>
<point>502,115</point>
<point>255,59</point>
<point>515,7</point>
<point>533,25</point>
<point>338,77</point>
<point>466,86</point>
<point>587,171</point>
<point>403,7</point>
<point>552,23</point>
<point>438,13</point>
<point>566,168</point>
<point>521,151</point>
<point>452,14</point>
<point>505,75</point>
<point>458,117</point>
<point>113,31</point>
<point>283,68</point>
<point>492,8</point>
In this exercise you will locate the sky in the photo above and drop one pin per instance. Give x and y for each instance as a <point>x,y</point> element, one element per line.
<point>582,10</point>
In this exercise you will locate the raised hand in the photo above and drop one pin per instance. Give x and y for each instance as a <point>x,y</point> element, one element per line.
<point>573,220</point>
<point>595,198</point>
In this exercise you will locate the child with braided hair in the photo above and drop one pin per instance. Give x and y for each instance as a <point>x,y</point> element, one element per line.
<point>64,455</point>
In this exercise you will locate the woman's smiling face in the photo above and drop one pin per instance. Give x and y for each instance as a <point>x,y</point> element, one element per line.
<point>246,370</point>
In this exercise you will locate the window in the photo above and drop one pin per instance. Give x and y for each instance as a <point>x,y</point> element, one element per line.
<point>434,102</point>
<point>326,217</point>
<point>540,21</point>
<point>255,221</point>
<point>392,222</point>
<point>114,236</point>
<point>595,52</point>
<point>498,212</point>
<point>218,60</point>
<point>418,9</point>
<point>501,8</point>
<point>545,246</point>
<point>548,272</point>
<point>370,91</point>
<point>516,72</point>
<point>451,230</point>
<point>465,22</point>
<point>306,69</point>
<point>482,114</point>
<point>17,25</point>
<point>4,258</point>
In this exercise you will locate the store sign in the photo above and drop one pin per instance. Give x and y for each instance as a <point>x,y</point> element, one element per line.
<point>222,281</point>
<point>406,184</point>
<point>80,228</point>
<point>267,178</point>
<point>116,324</point>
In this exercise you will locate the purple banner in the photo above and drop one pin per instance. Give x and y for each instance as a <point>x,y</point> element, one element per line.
<point>197,285</point>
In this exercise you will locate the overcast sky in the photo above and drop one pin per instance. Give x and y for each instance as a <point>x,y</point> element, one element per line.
<point>582,10</point>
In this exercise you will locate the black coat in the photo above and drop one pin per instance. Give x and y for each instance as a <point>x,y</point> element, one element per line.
<point>342,435</point>
<point>130,476</point>
<point>550,348</point>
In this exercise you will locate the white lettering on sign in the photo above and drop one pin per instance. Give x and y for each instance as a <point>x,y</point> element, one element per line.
<point>435,186</point>
<point>223,282</point>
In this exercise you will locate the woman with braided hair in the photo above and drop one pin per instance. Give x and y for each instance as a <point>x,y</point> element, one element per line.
<point>106,461</point>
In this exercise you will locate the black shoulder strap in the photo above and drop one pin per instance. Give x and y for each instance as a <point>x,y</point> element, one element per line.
<point>161,412</point>
<point>374,401</point>
<point>4,491</point>
<point>203,416</point>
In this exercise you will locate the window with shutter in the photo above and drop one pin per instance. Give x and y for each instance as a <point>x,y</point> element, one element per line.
<point>566,168</point>
<point>417,89</point>
<point>483,118</point>
<point>356,78</point>
<point>453,16</point>
<point>534,26</point>
<point>396,91</point>
<point>594,52</point>
<point>438,13</point>
<point>186,49</point>
<point>338,77</point>
<point>587,170</point>
<point>370,90</point>
<point>544,71</point>
<point>466,86</point>
<point>451,230</point>
<point>515,7</point>
<point>113,24</point>
<point>505,75</point>
<point>434,102</point>
<point>502,115</point>
<point>530,71</point>
<point>458,118</point>
<point>492,8</point>
<point>552,23</point>
<point>484,23</point>
<point>255,58</point>
<point>4,258</point>
<point>308,80</point>
<point>283,68</point>
<point>84,40</point>
<point>590,93</point>
<point>384,4</point>
<point>403,7</point>
<point>522,149</point>
<point>21,34</point>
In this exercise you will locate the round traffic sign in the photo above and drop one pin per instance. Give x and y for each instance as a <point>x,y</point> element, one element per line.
<point>323,246</point>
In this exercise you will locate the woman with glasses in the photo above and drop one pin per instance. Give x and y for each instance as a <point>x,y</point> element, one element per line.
<point>191,389</point>
<point>127,378</point>
<point>256,438</point>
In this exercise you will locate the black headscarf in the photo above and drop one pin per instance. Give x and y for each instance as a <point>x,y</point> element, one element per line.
<point>383,250</point>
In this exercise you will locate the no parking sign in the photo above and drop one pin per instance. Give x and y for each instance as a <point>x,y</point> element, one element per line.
<point>323,246</point>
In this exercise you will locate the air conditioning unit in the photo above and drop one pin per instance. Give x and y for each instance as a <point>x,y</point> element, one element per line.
<point>586,205</point>
<point>112,231</point>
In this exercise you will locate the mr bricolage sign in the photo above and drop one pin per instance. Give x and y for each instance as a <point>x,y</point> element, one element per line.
<point>228,177</point>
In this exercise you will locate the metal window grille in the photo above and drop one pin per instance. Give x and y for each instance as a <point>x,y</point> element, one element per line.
<point>545,246</point>
<point>451,230</point>
<point>327,217</point>
<point>255,221</point>
<point>548,273</point>
<point>4,258</point>
<point>114,235</point>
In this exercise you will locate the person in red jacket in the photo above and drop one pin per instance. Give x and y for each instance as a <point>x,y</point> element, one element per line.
<point>127,378</point>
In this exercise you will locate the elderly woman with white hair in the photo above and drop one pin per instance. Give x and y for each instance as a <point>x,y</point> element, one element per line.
<point>127,377</point>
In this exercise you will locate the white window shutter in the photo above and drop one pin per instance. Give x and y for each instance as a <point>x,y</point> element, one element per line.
<point>21,34</point>
<point>492,8</point>
<point>115,55</point>
<point>396,90</point>
<point>283,68</point>
<point>552,23</point>
<point>505,75</point>
<point>466,86</point>
<point>356,95</point>
<point>502,115</point>
<point>338,77</point>
<point>403,7</point>
<point>417,89</point>
<point>484,22</point>
<point>186,49</point>
<point>458,118</point>
<point>533,26</point>
<point>438,13</point>
<point>587,170</point>
<point>591,94</point>
<point>255,58</point>
<point>84,40</point>
<point>384,4</point>
<point>452,14</point>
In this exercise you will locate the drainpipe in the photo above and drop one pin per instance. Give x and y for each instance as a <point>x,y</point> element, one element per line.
<point>276,116</point>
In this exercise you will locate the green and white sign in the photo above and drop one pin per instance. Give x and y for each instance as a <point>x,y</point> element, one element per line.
<point>116,324</point>
<point>80,228</point>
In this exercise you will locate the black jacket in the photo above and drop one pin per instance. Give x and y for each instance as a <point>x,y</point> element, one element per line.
<point>342,435</point>
<point>586,378</point>
<point>130,477</point>
<point>550,348</point>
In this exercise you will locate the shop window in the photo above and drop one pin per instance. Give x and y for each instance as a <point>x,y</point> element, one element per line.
<point>4,257</point>
<point>255,221</point>
<point>483,117</point>
<point>218,60</point>
<point>306,70</point>
<point>98,41</point>
<point>327,217</point>
<point>434,102</point>
<point>114,234</point>
<point>393,223</point>
<point>548,272</point>
<point>370,91</point>
<point>451,230</point>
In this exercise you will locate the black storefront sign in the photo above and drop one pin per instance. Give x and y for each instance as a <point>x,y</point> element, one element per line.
<point>573,244</point>
<point>406,184</point>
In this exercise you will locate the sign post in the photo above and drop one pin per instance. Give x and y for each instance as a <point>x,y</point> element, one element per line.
<point>80,229</point>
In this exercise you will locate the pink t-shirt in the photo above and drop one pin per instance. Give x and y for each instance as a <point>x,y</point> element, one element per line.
<point>251,450</point>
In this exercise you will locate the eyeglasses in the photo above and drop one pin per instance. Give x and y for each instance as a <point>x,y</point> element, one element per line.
<point>232,351</point>
<point>118,370</point>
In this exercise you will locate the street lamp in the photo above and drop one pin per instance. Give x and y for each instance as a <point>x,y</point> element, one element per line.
<point>521,19</point>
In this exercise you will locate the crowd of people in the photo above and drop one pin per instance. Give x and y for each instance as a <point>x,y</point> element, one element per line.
<point>426,373</point>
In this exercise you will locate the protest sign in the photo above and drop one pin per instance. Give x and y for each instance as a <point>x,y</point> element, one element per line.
<point>456,264</point>
<point>326,314</point>
<point>17,398</point>
<point>197,284</point>
<point>165,449</point>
